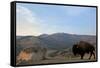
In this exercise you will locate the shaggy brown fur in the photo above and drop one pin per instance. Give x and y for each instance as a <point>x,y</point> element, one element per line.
<point>83,47</point>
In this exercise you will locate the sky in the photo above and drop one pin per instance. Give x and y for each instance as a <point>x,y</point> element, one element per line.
<point>37,19</point>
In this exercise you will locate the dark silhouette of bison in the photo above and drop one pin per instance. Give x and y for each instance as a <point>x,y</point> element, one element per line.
<point>83,47</point>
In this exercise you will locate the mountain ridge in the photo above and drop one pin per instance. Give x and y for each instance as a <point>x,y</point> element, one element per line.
<point>56,40</point>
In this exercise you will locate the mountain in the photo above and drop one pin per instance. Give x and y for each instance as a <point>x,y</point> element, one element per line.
<point>29,41</point>
<point>24,42</point>
<point>54,41</point>
<point>64,40</point>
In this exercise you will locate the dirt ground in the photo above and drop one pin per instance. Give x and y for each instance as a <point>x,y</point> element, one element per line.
<point>61,59</point>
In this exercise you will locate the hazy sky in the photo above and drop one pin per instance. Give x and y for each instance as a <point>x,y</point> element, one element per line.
<point>36,19</point>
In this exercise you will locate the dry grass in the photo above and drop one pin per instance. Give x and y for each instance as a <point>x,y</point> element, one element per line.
<point>60,59</point>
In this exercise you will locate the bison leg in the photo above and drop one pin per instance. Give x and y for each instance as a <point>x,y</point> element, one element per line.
<point>82,56</point>
<point>93,55</point>
<point>90,55</point>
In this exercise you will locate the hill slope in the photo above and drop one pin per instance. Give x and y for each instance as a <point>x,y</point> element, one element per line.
<point>53,41</point>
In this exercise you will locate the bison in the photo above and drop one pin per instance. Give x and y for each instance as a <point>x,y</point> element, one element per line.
<point>83,47</point>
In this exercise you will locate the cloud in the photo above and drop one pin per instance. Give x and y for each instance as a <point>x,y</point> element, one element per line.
<point>23,12</point>
<point>26,21</point>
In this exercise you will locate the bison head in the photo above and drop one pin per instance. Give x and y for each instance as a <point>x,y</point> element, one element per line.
<point>75,49</point>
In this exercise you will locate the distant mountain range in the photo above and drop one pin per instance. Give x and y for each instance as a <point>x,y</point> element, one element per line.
<point>53,41</point>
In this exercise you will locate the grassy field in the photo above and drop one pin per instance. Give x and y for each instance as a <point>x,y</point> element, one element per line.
<point>60,59</point>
